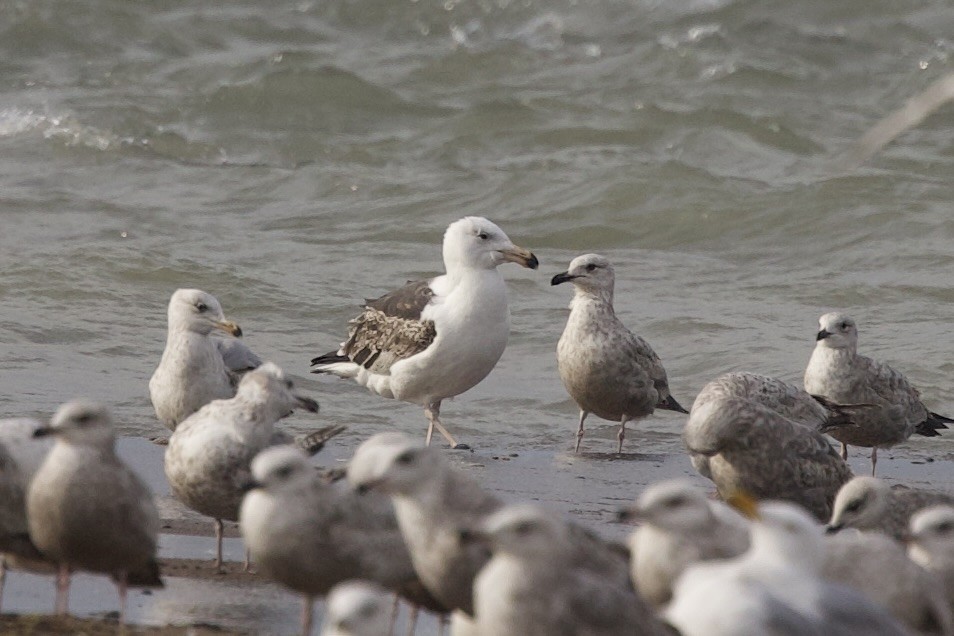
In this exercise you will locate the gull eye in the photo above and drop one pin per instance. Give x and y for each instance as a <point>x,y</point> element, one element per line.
<point>201,307</point>
<point>591,267</point>
<point>85,418</point>
<point>524,528</point>
<point>945,526</point>
<point>284,472</point>
<point>675,502</point>
<point>483,236</point>
<point>854,506</point>
<point>289,384</point>
<point>405,458</point>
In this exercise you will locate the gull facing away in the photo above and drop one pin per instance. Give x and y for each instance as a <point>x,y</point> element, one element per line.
<point>87,510</point>
<point>21,454</point>
<point>311,535</point>
<point>540,582</point>
<point>774,588</point>
<point>837,372</point>
<point>607,369</point>
<point>931,543</point>
<point>679,526</point>
<point>745,446</point>
<point>868,503</point>
<point>210,452</point>
<point>195,367</point>
<point>434,339</point>
<point>357,608</point>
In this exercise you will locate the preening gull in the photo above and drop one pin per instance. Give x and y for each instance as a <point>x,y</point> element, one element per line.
<point>356,608</point>
<point>878,567</point>
<point>679,526</point>
<point>435,339</point>
<point>607,369</point>
<point>210,452</point>
<point>745,446</point>
<point>87,510</point>
<point>311,535</point>
<point>931,543</point>
<point>836,372</point>
<point>197,368</point>
<point>868,503</point>
<point>542,581</point>
<point>774,588</point>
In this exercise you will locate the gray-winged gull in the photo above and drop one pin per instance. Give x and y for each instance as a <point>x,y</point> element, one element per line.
<point>679,526</point>
<point>357,608</point>
<point>607,369</point>
<point>197,368</point>
<point>434,339</point>
<point>931,543</point>
<point>837,372</point>
<point>869,503</point>
<point>210,451</point>
<point>87,510</point>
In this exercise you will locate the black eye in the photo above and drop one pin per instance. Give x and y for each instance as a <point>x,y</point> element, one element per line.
<point>201,307</point>
<point>524,527</point>
<point>85,418</point>
<point>405,458</point>
<point>844,326</point>
<point>675,502</point>
<point>854,506</point>
<point>483,236</point>
<point>284,472</point>
<point>945,526</point>
<point>591,267</point>
<point>289,384</point>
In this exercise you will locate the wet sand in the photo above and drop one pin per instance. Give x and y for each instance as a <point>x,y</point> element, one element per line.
<point>589,487</point>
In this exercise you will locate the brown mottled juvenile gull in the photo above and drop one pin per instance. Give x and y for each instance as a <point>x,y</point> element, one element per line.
<point>357,608</point>
<point>837,372</point>
<point>744,446</point>
<point>679,526</point>
<point>774,588</point>
<point>877,566</point>
<point>311,535</point>
<point>931,544</point>
<point>195,367</point>
<point>868,503</point>
<point>541,581</point>
<point>87,510</point>
<point>607,369</point>
<point>434,339</point>
<point>210,452</point>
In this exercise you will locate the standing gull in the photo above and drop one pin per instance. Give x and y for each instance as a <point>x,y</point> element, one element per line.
<point>210,452</point>
<point>87,510</point>
<point>836,372</point>
<point>195,367</point>
<point>434,339</point>
<point>607,369</point>
<point>356,608</point>
<point>868,503</point>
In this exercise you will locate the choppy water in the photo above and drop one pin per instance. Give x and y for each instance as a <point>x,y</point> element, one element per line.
<point>295,157</point>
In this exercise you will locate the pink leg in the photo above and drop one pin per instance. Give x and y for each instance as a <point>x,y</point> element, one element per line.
<point>874,459</point>
<point>412,619</point>
<point>433,413</point>
<point>621,435</point>
<point>62,590</point>
<point>306,611</point>
<point>3,576</point>
<point>247,567</point>
<point>123,587</point>
<point>579,431</point>
<point>844,451</point>
<point>219,531</point>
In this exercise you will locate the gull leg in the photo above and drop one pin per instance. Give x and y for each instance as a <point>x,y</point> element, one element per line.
<point>306,611</point>
<point>442,625</point>
<point>62,590</point>
<point>122,584</point>
<point>621,435</point>
<point>579,431</point>
<point>433,413</point>
<point>874,459</point>
<point>844,451</point>
<point>395,606</point>
<point>412,619</point>
<point>219,531</point>
<point>3,576</point>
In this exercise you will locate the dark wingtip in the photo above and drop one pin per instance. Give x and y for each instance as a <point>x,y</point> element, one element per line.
<point>328,358</point>
<point>670,404</point>
<point>931,426</point>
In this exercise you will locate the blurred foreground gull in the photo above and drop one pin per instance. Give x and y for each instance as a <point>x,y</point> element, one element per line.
<point>607,369</point>
<point>745,446</point>
<point>210,452</point>
<point>21,454</point>
<point>868,503</point>
<point>87,510</point>
<point>679,526</point>
<point>878,567</point>
<point>774,588</point>
<point>195,367</point>
<point>434,339</point>
<point>311,535</point>
<point>836,372</point>
<point>357,608</point>
<point>541,581</point>
<point>931,544</point>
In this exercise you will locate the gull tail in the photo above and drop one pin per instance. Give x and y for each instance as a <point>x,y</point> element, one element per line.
<point>670,404</point>
<point>315,441</point>
<point>932,424</point>
<point>336,364</point>
<point>146,576</point>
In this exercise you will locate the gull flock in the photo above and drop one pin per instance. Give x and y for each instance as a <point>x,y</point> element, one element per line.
<point>794,544</point>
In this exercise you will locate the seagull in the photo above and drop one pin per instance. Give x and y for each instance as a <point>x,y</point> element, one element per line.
<point>836,372</point>
<point>434,339</point>
<point>607,369</point>
<point>868,503</point>
<point>196,368</point>
<point>87,510</point>
<point>931,543</point>
<point>357,608</point>
<point>210,451</point>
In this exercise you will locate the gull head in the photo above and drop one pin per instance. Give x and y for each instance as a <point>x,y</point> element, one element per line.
<point>279,467</point>
<point>931,534</point>
<point>521,530</point>
<point>268,385</point>
<point>590,272</point>
<point>837,331</point>
<point>81,423</point>
<point>357,608</point>
<point>674,506</point>
<point>859,504</point>
<point>474,242</point>
<point>195,310</point>
<point>784,533</point>
<point>393,464</point>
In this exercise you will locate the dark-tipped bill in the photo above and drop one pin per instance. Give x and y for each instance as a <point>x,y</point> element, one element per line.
<point>521,256</point>
<point>562,277</point>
